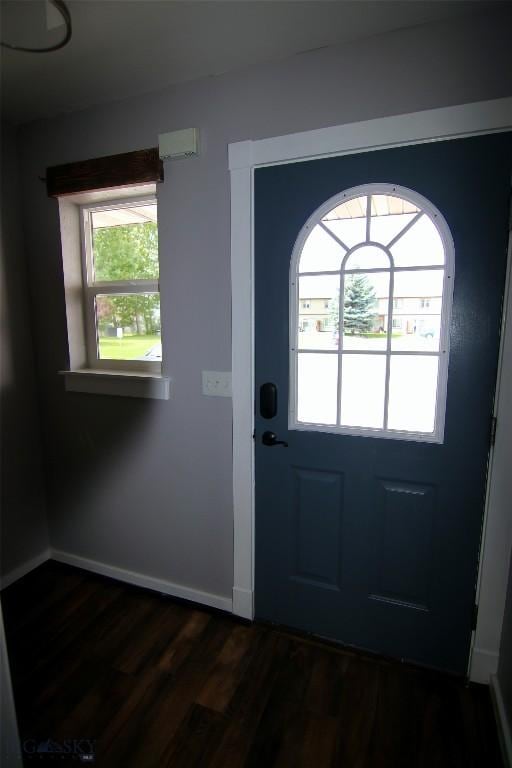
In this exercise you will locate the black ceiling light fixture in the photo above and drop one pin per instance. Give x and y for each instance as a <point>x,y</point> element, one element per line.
<point>61,6</point>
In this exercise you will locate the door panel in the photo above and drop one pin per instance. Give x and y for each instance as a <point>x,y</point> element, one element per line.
<point>316,531</point>
<point>404,520</point>
<point>373,541</point>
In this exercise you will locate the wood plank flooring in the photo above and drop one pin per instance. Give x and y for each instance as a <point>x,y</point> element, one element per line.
<point>159,683</point>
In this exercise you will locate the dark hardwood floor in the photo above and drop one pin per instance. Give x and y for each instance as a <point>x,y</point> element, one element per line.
<point>156,682</point>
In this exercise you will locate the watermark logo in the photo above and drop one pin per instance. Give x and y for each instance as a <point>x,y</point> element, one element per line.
<point>80,750</point>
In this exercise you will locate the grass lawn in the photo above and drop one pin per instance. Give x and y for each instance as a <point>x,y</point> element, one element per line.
<point>127,348</point>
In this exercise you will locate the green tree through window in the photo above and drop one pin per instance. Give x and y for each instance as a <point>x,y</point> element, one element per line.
<point>123,253</point>
<point>359,306</point>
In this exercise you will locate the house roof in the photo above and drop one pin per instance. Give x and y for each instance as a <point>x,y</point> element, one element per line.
<point>424,284</point>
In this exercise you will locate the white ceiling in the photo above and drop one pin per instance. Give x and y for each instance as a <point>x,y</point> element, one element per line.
<point>121,48</point>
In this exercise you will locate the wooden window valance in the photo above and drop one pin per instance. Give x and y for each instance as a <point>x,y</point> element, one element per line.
<point>140,167</point>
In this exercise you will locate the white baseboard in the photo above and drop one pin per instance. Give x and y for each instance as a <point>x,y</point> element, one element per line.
<point>243,597</point>
<point>149,582</point>
<point>484,664</point>
<point>24,568</point>
<point>243,603</point>
<point>504,727</point>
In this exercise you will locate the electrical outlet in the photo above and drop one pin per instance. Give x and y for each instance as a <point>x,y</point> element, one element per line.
<point>217,383</point>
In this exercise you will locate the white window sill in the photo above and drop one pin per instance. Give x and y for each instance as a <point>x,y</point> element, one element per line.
<point>119,383</point>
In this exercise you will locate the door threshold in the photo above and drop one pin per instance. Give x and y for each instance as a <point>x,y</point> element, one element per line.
<point>345,649</point>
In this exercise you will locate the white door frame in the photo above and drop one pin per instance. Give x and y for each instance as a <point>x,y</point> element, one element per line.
<point>244,156</point>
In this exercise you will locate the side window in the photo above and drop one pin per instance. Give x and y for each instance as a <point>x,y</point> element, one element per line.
<point>375,266</point>
<point>121,279</point>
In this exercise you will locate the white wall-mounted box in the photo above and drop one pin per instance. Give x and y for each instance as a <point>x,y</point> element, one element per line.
<point>178,144</point>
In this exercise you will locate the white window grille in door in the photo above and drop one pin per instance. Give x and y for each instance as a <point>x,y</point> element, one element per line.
<point>374,267</point>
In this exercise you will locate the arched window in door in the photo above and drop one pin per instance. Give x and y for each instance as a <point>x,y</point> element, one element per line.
<point>371,284</point>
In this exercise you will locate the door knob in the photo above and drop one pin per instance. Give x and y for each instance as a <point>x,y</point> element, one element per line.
<point>270,439</point>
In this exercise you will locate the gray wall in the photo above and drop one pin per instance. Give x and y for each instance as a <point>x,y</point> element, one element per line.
<point>146,485</point>
<point>24,529</point>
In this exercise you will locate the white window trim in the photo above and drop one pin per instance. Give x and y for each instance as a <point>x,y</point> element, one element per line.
<point>102,377</point>
<point>93,288</point>
<point>244,156</point>
<point>425,206</point>
<point>119,383</point>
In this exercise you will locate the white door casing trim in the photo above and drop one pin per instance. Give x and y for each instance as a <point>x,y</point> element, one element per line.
<point>244,156</point>
<point>504,729</point>
<point>495,550</point>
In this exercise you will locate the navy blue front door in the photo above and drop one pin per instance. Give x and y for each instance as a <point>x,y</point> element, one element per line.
<point>372,541</point>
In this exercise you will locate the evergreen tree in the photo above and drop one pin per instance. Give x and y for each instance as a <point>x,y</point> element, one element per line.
<point>360,303</point>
